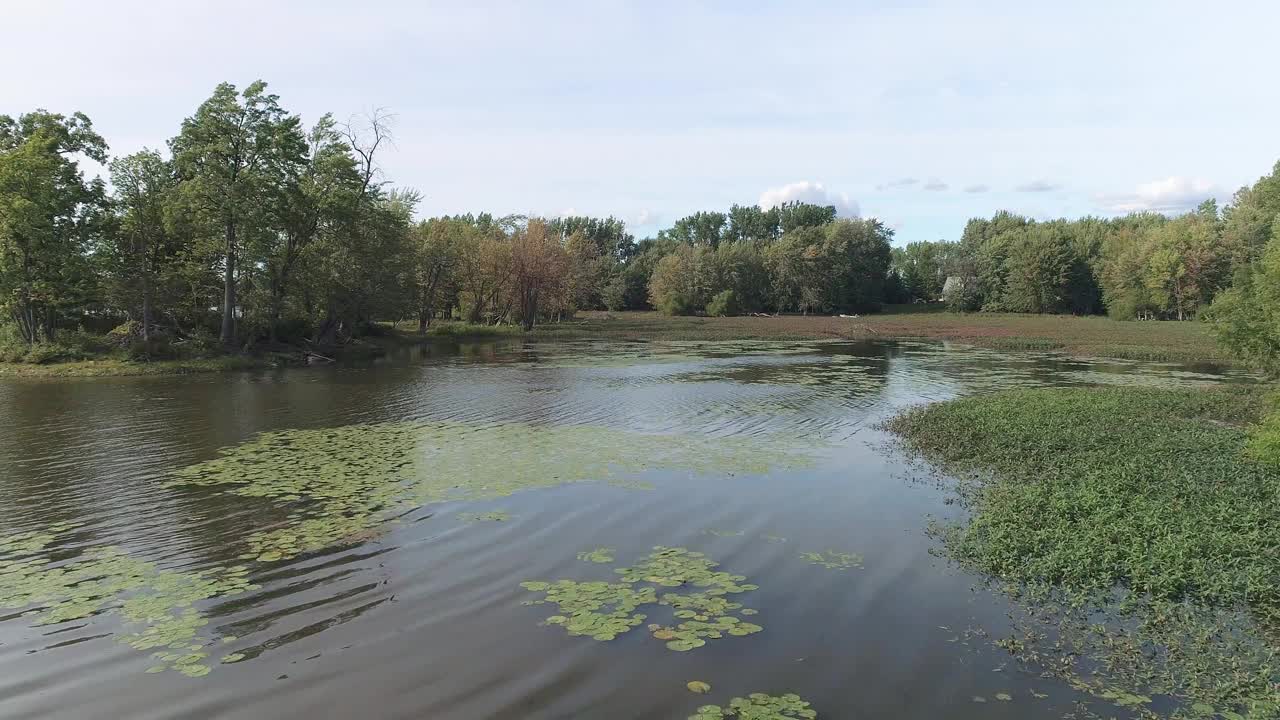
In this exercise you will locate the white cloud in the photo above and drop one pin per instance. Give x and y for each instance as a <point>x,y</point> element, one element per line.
<point>1037,186</point>
<point>1172,194</point>
<point>935,185</point>
<point>810,192</point>
<point>899,183</point>
<point>978,188</point>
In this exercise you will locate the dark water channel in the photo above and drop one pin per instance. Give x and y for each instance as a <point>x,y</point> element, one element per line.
<point>384,554</point>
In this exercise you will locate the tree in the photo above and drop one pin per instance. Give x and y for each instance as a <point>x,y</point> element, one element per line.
<point>676,287</point>
<point>143,248</point>
<point>795,214</point>
<point>48,215</point>
<point>539,272</point>
<point>1187,263</point>
<point>704,229</point>
<point>588,270</point>
<point>751,224</point>
<point>321,198</point>
<point>609,235</point>
<point>1246,317</point>
<point>1249,221</point>
<point>236,156</point>
<point>437,243</point>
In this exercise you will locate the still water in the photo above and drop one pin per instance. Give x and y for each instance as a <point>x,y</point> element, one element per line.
<point>352,542</point>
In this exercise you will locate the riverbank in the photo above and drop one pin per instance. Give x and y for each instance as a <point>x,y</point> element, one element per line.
<point>1098,337</point>
<point>1138,529</point>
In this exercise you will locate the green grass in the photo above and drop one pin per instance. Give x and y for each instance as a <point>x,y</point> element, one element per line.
<point>1137,531</point>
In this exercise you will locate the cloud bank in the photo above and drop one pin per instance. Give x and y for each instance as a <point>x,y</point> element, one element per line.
<point>810,192</point>
<point>1173,194</point>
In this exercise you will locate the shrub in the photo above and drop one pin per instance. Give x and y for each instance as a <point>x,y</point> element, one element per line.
<point>723,304</point>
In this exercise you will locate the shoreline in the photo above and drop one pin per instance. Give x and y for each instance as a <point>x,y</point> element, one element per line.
<point>1084,337</point>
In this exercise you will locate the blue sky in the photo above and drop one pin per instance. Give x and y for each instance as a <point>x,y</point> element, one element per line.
<point>921,114</point>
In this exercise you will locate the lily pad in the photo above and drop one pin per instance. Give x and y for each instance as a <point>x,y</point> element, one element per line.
<point>698,686</point>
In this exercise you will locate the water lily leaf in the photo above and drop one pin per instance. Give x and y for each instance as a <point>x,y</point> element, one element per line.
<point>698,686</point>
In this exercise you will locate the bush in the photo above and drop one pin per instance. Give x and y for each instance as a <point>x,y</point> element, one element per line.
<point>723,304</point>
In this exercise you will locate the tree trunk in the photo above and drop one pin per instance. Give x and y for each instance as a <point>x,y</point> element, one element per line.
<point>146,308</point>
<point>229,291</point>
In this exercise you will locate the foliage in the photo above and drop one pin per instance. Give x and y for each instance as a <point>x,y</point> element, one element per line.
<point>1246,317</point>
<point>723,304</point>
<point>49,215</point>
<point>706,614</point>
<point>759,706</point>
<point>109,580</point>
<point>1091,488</point>
<point>342,483</point>
<point>1135,532</point>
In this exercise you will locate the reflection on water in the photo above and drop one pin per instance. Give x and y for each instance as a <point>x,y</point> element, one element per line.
<point>366,541</point>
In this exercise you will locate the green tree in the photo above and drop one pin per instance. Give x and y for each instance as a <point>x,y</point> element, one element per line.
<point>236,156</point>
<point>143,249</point>
<point>677,286</point>
<point>794,214</point>
<point>321,197</point>
<point>1246,317</point>
<point>49,214</point>
<point>703,229</point>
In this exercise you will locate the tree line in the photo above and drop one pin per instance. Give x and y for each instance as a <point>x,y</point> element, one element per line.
<point>1139,266</point>
<point>254,228</point>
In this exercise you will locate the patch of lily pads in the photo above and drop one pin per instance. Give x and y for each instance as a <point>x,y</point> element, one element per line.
<point>832,559</point>
<point>759,706</point>
<point>340,484</point>
<point>605,610</point>
<point>108,581</point>
<point>599,555</point>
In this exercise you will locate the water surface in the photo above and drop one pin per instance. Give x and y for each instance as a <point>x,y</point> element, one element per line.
<point>436,482</point>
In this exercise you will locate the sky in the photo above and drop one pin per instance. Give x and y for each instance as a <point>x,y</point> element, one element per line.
<point>920,114</point>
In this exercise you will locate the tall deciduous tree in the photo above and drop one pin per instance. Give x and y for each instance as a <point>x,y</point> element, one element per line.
<point>236,156</point>
<point>142,249</point>
<point>48,212</point>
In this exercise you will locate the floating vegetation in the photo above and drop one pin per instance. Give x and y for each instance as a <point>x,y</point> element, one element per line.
<point>697,686</point>
<point>599,555</point>
<point>759,706</point>
<point>493,516</point>
<point>724,533</point>
<point>833,560</point>
<point>341,483</point>
<point>599,610</point>
<point>106,580</point>
<point>605,610</point>
<point>1135,536</point>
<point>773,538</point>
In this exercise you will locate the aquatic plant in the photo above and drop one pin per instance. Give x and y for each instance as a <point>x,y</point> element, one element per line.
<point>1133,528</point>
<point>759,706</point>
<point>107,580</point>
<point>698,686</point>
<point>583,605</point>
<point>705,615</point>
<point>341,483</point>
<point>599,555</point>
<point>832,560</point>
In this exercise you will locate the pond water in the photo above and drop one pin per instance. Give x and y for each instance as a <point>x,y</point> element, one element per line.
<point>387,542</point>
